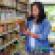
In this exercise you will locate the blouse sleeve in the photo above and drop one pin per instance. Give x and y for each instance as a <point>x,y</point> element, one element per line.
<point>45,31</point>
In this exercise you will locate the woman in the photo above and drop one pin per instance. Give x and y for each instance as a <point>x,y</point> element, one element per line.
<point>38,25</point>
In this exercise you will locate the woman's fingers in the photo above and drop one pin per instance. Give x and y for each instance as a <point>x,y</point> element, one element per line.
<point>30,33</point>
<point>34,35</point>
<point>26,32</point>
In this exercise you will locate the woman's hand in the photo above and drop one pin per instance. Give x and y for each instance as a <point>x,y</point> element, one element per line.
<point>31,34</point>
<point>34,35</point>
<point>26,32</point>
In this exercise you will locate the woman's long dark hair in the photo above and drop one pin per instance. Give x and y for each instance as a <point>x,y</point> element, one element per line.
<point>42,14</point>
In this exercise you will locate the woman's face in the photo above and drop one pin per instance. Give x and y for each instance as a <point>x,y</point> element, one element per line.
<point>35,11</point>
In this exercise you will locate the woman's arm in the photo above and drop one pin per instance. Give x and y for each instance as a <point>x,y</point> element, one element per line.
<point>27,32</point>
<point>45,31</point>
<point>42,35</point>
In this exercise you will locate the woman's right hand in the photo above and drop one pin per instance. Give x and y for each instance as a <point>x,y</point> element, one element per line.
<point>26,32</point>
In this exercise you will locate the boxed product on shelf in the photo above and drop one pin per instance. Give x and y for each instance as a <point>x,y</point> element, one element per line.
<point>22,7</point>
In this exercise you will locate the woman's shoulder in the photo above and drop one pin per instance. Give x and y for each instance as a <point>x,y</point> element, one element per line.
<point>46,21</point>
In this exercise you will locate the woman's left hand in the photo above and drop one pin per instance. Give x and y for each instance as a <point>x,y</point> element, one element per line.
<point>34,35</point>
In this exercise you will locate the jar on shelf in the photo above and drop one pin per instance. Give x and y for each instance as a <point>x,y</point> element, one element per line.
<point>1,28</point>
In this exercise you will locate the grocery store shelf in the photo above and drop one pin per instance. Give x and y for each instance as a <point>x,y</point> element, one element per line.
<point>13,8</point>
<point>8,7</point>
<point>10,33</point>
<point>4,46</point>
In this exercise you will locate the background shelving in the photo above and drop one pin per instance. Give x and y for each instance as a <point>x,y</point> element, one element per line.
<point>49,8</point>
<point>11,3</point>
<point>51,16</point>
<point>12,18</point>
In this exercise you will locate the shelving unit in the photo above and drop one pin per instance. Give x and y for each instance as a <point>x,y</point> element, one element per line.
<point>12,18</point>
<point>12,33</point>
